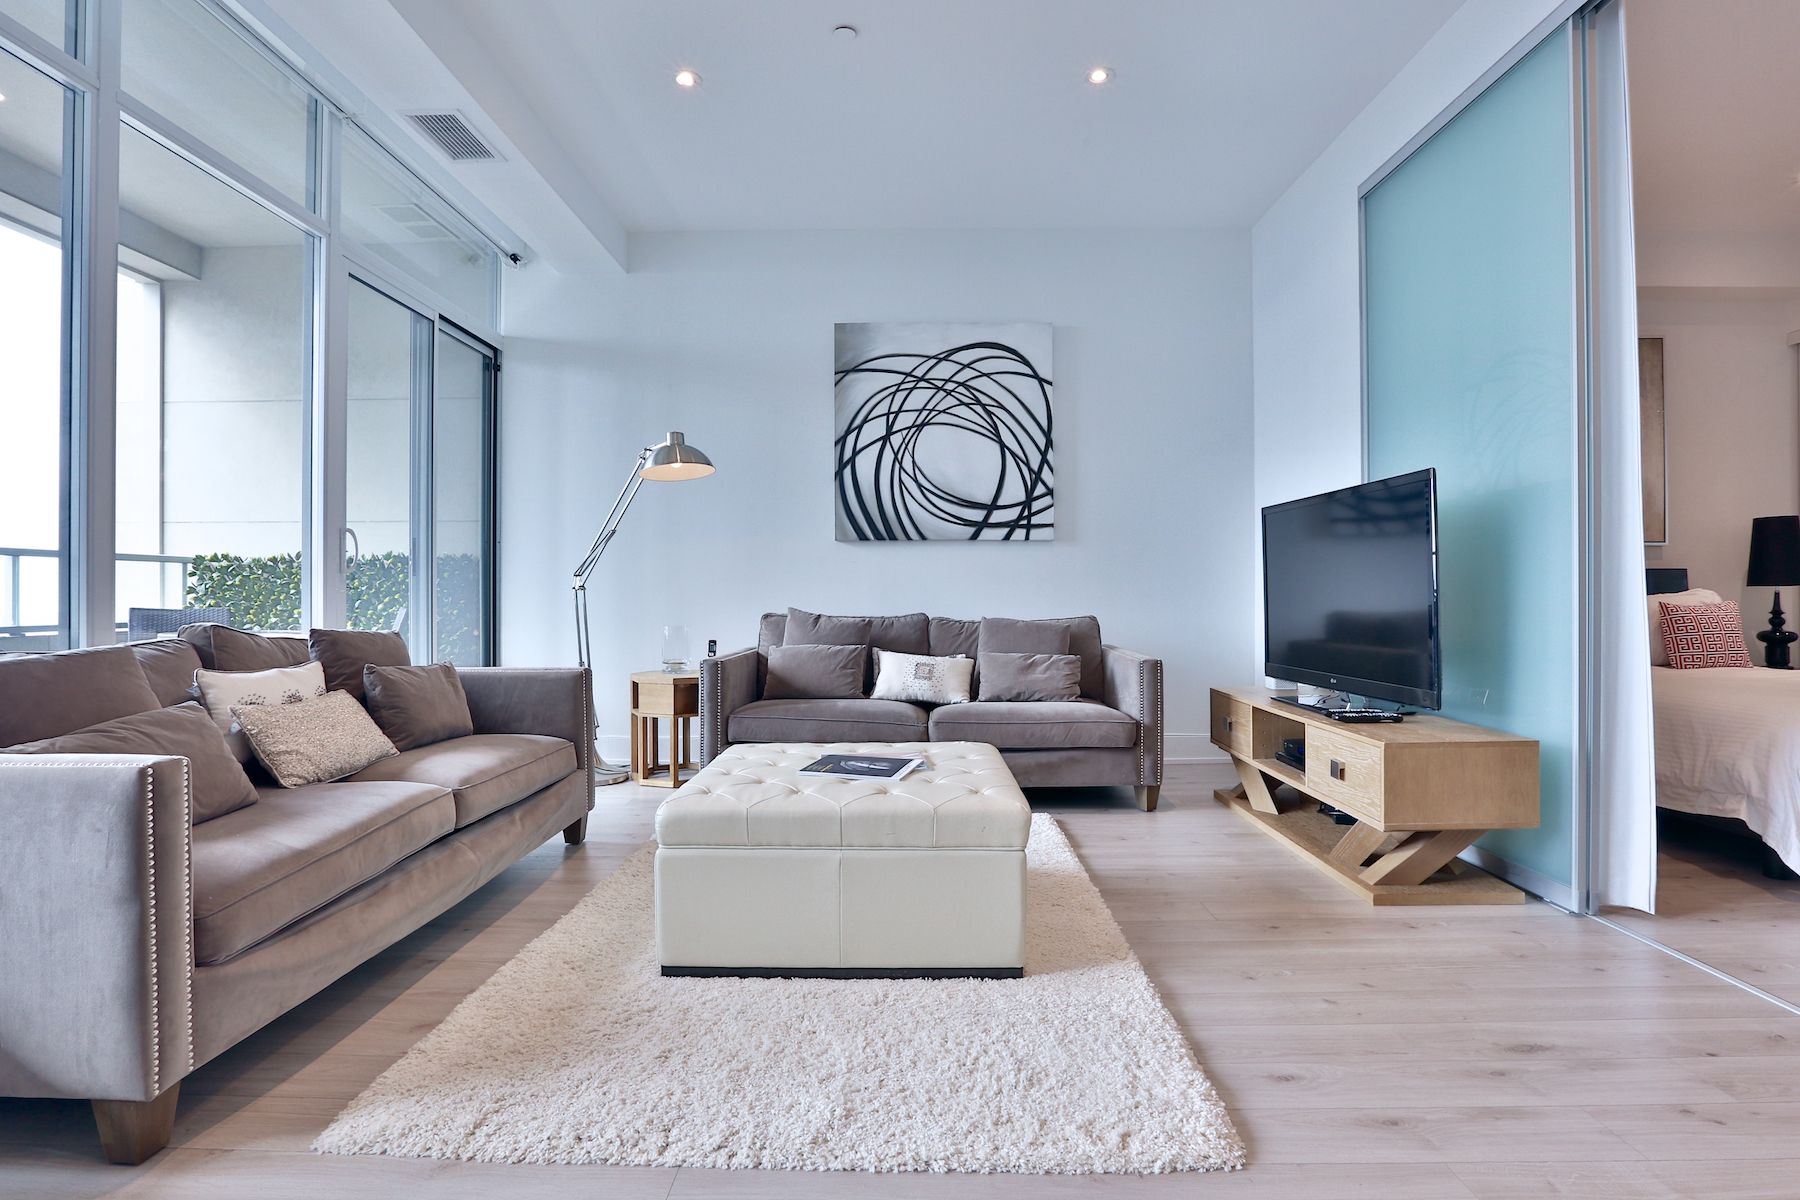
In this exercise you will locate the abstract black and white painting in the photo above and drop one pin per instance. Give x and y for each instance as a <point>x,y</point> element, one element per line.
<point>943,433</point>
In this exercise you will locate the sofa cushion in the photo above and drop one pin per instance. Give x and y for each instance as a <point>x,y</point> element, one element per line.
<point>1035,725</point>
<point>47,695</point>
<point>1006,635</point>
<point>484,772</point>
<point>816,672</point>
<point>260,869</point>
<point>950,636</point>
<point>908,633</point>
<point>216,781</point>
<point>827,721</point>
<point>219,691</point>
<point>345,652</point>
<point>169,665</point>
<point>222,648</point>
<point>417,706</point>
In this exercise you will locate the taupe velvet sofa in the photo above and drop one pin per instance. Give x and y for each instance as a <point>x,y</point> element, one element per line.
<point>1112,735</point>
<point>134,947</point>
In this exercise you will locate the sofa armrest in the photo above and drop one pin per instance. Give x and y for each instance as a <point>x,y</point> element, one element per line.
<point>727,683</point>
<point>554,701</point>
<point>96,926</point>
<point>1134,686</point>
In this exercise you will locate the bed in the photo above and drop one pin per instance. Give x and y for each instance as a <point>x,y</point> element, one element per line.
<point>1728,743</point>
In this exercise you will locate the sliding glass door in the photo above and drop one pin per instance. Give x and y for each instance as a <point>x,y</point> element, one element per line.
<point>417,480</point>
<point>462,500</point>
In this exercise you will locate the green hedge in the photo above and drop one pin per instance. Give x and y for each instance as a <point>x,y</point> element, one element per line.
<point>264,593</point>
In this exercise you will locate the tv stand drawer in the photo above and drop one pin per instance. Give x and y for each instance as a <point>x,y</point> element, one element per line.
<point>1345,771</point>
<point>1231,724</point>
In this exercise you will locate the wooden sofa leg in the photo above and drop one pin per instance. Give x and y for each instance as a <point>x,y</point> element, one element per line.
<point>1148,796</point>
<point>577,833</point>
<point>132,1130</point>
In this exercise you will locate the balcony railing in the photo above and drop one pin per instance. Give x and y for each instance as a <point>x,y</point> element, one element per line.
<point>167,591</point>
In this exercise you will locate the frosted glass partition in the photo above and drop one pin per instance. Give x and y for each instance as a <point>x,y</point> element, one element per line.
<point>1470,352</point>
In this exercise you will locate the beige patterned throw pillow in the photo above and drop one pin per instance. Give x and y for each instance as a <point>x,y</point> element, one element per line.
<point>314,741</point>
<point>922,678</point>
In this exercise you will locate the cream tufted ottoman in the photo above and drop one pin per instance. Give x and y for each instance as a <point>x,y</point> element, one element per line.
<point>763,871</point>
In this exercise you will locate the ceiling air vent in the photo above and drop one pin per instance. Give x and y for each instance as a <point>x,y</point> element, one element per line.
<point>453,136</point>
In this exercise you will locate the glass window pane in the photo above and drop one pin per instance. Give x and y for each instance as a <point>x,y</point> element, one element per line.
<point>33,594</point>
<point>398,219</point>
<point>390,348</point>
<point>213,394</point>
<point>52,20</point>
<point>461,535</point>
<point>1469,290</point>
<point>193,68</point>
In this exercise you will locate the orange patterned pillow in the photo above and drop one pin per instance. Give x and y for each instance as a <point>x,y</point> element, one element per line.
<point>1704,635</point>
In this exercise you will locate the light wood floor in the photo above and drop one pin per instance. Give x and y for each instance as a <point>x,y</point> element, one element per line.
<point>1398,1054</point>
<point>1713,902</point>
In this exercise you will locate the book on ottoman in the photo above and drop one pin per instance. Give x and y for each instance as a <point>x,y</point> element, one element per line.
<point>860,766</point>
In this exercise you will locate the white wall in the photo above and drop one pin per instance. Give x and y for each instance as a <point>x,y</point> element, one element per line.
<point>1733,421</point>
<point>728,337</point>
<point>1306,272</point>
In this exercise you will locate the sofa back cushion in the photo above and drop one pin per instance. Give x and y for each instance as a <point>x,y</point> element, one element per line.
<point>345,652</point>
<point>222,648</point>
<point>216,782</point>
<point>416,706</point>
<point>1006,635</point>
<point>950,636</point>
<point>47,695</point>
<point>907,633</point>
<point>169,665</point>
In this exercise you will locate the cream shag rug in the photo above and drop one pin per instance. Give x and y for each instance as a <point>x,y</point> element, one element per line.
<point>579,1051</point>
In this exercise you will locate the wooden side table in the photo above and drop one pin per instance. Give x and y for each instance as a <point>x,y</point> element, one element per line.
<point>658,696</point>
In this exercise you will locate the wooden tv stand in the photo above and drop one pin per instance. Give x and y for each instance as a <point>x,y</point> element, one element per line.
<point>1421,791</point>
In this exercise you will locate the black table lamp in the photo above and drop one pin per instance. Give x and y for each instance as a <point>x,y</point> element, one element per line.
<point>1775,563</point>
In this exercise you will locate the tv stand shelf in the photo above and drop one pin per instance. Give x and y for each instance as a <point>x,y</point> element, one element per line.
<point>1421,791</point>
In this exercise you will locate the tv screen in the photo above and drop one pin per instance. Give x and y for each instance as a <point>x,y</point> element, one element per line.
<point>1350,590</point>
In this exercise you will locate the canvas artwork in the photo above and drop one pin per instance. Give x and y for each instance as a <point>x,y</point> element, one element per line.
<point>944,433</point>
<point>1652,430</point>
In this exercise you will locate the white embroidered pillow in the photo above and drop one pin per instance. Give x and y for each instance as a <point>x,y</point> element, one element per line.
<point>221,690</point>
<point>922,678</point>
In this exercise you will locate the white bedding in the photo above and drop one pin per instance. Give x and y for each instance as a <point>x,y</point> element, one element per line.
<point>1728,745</point>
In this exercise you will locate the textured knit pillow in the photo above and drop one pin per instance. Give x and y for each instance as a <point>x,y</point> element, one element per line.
<point>922,678</point>
<point>1704,635</point>
<point>220,690</point>
<point>416,706</point>
<point>315,741</point>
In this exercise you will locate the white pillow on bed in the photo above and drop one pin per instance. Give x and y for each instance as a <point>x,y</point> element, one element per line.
<point>1659,655</point>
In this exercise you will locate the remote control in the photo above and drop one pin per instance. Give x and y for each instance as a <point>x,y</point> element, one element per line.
<point>1365,716</point>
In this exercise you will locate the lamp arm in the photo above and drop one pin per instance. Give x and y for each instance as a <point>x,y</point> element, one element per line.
<point>610,525</point>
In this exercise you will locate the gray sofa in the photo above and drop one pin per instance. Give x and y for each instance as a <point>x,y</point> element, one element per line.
<point>135,947</point>
<point>1112,735</point>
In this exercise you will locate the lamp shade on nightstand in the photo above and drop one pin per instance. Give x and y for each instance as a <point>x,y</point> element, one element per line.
<point>1775,563</point>
<point>1774,552</point>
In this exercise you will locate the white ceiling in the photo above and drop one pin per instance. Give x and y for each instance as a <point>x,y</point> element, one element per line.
<point>941,114</point>
<point>1715,115</point>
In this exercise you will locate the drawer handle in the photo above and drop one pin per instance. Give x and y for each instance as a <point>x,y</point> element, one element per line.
<point>1337,770</point>
<point>1228,724</point>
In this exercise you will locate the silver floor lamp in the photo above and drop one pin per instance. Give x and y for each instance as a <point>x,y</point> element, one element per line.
<point>669,461</point>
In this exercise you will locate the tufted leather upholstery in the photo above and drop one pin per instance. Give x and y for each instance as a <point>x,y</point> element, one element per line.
<point>752,795</point>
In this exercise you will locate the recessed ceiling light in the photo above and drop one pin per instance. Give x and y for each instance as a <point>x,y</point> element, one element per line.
<point>685,78</point>
<point>2,96</point>
<point>844,33</point>
<point>1100,75</point>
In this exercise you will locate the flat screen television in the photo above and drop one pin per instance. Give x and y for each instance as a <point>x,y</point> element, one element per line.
<point>1350,598</point>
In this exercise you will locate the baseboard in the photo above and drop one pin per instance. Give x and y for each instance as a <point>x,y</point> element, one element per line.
<point>1179,749</point>
<point>1524,878</point>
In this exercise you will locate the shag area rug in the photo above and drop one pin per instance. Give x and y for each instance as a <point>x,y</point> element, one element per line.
<point>579,1051</point>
